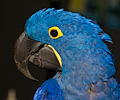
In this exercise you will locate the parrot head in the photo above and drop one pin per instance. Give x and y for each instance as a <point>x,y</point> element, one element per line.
<point>67,42</point>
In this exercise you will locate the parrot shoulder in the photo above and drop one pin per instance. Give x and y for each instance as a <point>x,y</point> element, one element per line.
<point>49,90</point>
<point>105,90</point>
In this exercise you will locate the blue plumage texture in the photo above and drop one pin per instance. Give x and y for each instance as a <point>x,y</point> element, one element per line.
<point>88,65</point>
<point>49,90</point>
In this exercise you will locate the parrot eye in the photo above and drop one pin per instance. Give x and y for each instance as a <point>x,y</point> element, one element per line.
<point>55,32</point>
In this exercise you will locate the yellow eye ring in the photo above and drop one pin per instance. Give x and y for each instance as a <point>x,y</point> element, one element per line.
<point>55,32</point>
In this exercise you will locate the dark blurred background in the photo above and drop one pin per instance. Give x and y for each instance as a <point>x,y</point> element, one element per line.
<point>16,12</point>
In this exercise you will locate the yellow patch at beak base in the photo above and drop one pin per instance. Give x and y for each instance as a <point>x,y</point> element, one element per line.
<point>57,55</point>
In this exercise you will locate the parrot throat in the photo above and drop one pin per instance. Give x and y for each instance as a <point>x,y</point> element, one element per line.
<point>71,78</point>
<point>78,71</point>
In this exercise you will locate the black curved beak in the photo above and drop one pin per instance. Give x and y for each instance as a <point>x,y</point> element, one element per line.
<point>36,52</point>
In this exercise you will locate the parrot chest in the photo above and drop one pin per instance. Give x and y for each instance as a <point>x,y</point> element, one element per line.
<point>101,90</point>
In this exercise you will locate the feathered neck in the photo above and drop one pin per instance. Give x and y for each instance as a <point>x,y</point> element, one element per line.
<point>84,63</point>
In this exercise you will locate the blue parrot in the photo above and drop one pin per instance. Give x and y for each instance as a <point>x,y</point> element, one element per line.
<point>75,47</point>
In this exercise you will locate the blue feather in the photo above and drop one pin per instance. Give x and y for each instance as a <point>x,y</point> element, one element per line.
<point>106,38</point>
<point>49,90</point>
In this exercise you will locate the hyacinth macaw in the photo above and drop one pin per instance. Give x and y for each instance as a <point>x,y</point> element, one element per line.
<point>73,46</point>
